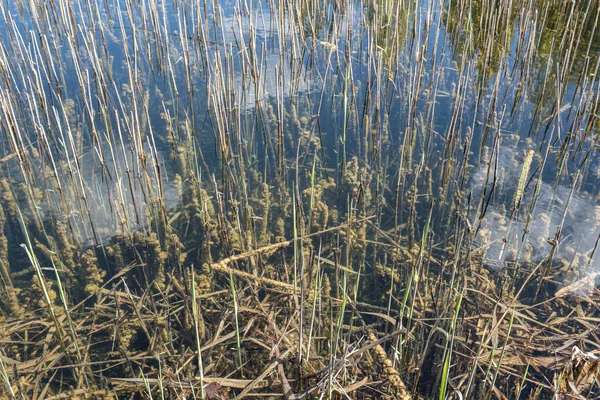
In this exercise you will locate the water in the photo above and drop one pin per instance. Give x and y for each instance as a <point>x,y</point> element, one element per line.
<point>116,114</point>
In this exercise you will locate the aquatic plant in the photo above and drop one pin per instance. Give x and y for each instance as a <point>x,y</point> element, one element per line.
<point>300,199</point>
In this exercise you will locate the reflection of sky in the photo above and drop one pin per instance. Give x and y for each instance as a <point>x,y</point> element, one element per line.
<point>274,74</point>
<point>503,237</point>
<point>120,201</point>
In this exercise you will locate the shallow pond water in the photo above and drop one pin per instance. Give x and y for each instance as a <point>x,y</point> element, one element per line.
<point>462,135</point>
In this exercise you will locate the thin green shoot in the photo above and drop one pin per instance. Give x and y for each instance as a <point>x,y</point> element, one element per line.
<point>448,349</point>
<point>146,384</point>
<point>522,384</point>
<point>160,379</point>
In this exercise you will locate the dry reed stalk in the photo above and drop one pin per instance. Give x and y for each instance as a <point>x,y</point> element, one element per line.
<point>390,373</point>
<point>223,268</point>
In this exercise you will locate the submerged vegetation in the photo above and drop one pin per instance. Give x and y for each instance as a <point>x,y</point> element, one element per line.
<point>299,199</point>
